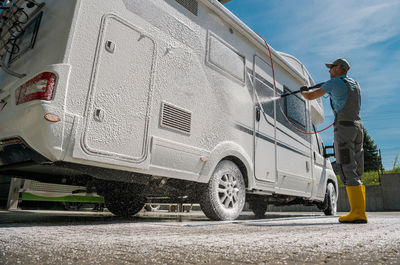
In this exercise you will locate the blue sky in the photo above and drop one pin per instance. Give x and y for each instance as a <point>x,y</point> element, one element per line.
<point>366,32</point>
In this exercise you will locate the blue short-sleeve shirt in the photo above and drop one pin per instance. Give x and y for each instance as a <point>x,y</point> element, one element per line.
<point>337,90</point>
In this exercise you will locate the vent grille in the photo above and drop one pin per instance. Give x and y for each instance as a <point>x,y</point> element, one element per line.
<point>190,5</point>
<point>175,118</point>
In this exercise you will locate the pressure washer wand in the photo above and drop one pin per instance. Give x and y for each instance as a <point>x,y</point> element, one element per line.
<point>298,91</point>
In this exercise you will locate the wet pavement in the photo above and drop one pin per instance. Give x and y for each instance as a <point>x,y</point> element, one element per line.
<point>56,237</point>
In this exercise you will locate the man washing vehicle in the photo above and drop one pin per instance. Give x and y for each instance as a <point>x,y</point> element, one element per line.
<point>345,95</point>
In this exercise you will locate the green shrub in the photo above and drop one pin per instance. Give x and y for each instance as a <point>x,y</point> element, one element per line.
<point>395,170</point>
<point>371,178</point>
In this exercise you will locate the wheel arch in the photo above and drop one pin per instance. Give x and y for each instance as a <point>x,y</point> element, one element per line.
<point>233,152</point>
<point>242,168</point>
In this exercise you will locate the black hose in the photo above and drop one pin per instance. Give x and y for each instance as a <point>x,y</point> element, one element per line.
<point>298,91</point>
<point>290,93</point>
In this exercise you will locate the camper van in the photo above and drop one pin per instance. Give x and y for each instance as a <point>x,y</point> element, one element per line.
<point>143,98</point>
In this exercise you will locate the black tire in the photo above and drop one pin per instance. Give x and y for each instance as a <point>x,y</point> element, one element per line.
<point>331,199</point>
<point>224,196</point>
<point>72,206</point>
<point>259,208</point>
<point>124,205</point>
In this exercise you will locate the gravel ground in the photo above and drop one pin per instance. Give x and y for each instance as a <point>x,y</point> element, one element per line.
<point>43,238</point>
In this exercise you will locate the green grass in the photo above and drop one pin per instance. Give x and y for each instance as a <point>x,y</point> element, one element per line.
<point>371,178</point>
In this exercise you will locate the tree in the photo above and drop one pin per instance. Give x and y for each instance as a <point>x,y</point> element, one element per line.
<point>372,159</point>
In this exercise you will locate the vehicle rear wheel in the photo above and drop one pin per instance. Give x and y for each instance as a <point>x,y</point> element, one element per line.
<point>152,207</point>
<point>124,205</point>
<point>331,198</point>
<point>224,196</point>
<point>72,206</point>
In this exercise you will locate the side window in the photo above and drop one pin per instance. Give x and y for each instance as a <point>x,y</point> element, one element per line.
<point>296,109</point>
<point>262,82</point>
<point>225,59</point>
<point>264,91</point>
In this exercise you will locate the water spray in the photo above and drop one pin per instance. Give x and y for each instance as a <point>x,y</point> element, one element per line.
<point>288,94</point>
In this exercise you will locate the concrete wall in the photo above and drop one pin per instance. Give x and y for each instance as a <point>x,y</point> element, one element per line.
<point>391,191</point>
<point>385,197</point>
<point>374,199</point>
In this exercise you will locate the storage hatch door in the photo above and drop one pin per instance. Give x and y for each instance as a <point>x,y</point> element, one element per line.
<point>120,97</point>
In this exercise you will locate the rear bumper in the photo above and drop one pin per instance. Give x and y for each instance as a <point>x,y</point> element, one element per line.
<point>20,160</point>
<point>16,153</point>
<point>27,120</point>
<point>28,123</point>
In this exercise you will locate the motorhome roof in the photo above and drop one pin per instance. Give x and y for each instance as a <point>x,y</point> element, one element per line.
<point>252,36</point>
<point>292,60</point>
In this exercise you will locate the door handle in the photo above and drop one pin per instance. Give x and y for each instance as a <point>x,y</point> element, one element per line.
<point>110,46</point>
<point>99,115</point>
<point>258,114</point>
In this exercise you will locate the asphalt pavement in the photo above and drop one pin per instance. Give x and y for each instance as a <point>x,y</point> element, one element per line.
<point>59,237</point>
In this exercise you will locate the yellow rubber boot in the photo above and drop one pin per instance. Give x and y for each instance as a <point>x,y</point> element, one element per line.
<point>363,191</point>
<point>357,215</point>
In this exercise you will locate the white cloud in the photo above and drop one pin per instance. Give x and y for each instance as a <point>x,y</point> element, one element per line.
<point>342,26</point>
<point>365,32</point>
<point>351,29</point>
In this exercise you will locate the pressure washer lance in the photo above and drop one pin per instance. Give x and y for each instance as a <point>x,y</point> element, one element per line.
<point>300,90</point>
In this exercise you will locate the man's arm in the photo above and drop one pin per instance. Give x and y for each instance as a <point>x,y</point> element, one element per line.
<point>310,95</point>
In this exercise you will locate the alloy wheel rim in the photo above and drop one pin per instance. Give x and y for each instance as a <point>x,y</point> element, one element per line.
<point>228,191</point>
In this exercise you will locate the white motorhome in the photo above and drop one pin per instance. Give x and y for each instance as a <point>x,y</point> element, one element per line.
<point>141,98</point>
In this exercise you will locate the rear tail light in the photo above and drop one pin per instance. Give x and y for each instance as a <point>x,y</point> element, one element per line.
<point>40,87</point>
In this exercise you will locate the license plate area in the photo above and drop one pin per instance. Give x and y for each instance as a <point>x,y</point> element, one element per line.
<point>26,39</point>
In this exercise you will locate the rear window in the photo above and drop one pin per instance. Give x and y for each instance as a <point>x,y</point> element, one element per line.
<point>25,40</point>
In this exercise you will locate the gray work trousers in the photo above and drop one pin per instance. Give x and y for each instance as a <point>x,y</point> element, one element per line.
<point>348,144</point>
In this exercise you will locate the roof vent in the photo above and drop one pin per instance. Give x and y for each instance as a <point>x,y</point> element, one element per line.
<point>175,118</point>
<point>190,5</point>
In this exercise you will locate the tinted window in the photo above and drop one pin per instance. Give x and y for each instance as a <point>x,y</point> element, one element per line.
<point>296,109</point>
<point>264,92</point>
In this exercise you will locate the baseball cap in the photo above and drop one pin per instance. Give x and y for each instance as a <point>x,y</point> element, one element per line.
<point>341,61</point>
